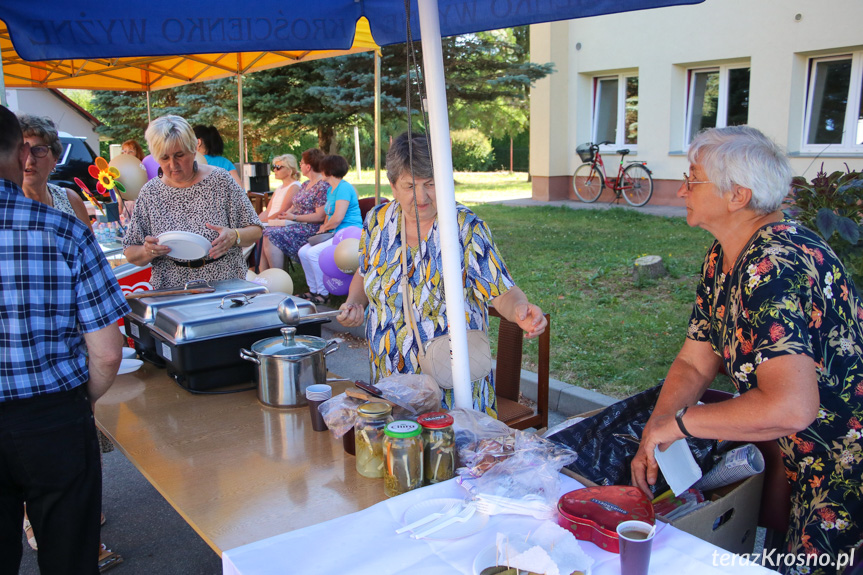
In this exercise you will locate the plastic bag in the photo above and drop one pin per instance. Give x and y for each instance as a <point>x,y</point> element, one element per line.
<point>607,442</point>
<point>516,465</point>
<point>417,390</point>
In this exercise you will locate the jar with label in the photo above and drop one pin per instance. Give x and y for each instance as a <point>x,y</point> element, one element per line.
<point>372,418</point>
<point>403,445</point>
<point>438,447</point>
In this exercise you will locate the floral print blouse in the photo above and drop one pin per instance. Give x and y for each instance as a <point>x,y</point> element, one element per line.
<point>391,340</point>
<point>789,294</point>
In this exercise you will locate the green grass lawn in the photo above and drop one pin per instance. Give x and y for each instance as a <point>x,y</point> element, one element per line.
<point>609,333</point>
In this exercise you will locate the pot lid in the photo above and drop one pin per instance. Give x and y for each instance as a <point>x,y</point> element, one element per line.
<point>289,345</point>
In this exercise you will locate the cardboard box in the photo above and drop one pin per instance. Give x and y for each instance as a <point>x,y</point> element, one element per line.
<point>729,521</point>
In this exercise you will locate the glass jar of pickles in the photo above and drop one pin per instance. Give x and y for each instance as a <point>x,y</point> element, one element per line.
<point>369,437</point>
<point>403,445</point>
<point>439,461</point>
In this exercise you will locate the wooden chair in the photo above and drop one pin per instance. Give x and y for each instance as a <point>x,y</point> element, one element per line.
<point>259,200</point>
<point>367,204</point>
<point>507,375</point>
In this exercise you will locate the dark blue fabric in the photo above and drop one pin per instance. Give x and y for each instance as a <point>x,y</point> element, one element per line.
<point>55,30</point>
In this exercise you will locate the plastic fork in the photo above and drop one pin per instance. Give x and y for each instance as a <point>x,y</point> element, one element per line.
<point>452,508</point>
<point>461,517</point>
<point>500,505</point>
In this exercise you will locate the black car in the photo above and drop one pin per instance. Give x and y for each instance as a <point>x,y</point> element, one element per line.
<point>74,160</point>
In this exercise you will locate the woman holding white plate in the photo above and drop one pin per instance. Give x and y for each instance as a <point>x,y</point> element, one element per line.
<point>191,222</point>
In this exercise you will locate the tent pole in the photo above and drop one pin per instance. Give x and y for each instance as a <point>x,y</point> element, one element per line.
<point>377,127</point>
<point>3,84</point>
<point>149,117</point>
<point>240,124</point>
<point>445,192</point>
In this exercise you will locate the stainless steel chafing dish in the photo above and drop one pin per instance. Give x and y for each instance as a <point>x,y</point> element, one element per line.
<point>200,342</point>
<point>146,309</point>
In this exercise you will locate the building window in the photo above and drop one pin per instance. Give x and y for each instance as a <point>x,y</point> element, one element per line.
<point>717,97</point>
<point>615,110</point>
<point>834,106</point>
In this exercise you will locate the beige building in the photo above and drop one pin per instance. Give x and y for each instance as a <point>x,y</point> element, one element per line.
<point>648,81</point>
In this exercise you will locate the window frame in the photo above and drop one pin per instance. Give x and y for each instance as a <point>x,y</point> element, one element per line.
<point>853,125</point>
<point>620,128</point>
<point>724,71</point>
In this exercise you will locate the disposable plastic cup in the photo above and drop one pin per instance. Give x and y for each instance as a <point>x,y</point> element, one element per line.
<point>636,541</point>
<point>318,423</point>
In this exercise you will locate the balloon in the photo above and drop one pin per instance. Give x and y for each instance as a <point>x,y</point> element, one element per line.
<point>250,276</point>
<point>152,166</point>
<point>345,233</point>
<point>339,285</point>
<point>347,255</point>
<point>328,263</point>
<point>133,175</point>
<point>275,280</point>
<point>199,157</point>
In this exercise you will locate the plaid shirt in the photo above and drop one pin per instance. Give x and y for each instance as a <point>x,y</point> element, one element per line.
<point>55,285</point>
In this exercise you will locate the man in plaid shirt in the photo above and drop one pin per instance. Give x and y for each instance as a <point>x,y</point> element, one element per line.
<point>57,293</point>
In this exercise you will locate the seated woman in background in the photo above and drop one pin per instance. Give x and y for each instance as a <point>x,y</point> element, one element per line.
<point>132,148</point>
<point>45,149</point>
<point>301,220</point>
<point>342,210</point>
<point>285,169</point>
<point>211,145</point>
<point>187,197</point>
<point>409,225</point>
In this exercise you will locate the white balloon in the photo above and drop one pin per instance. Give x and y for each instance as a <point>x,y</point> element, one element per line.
<point>250,276</point>
<point>199,157</point>
<point>347,255</point>
<point>133,175</point>
<point>276,280</point>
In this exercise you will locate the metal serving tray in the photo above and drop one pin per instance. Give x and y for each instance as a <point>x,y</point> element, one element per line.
<point>201,343</point>
<point>146,309</point>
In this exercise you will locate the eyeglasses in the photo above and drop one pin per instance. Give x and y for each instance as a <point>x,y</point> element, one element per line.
<point>689,182</point>
<point>277,167</point>
<point>39,151</point>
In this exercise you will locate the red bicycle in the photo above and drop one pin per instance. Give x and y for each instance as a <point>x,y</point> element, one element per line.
<point>633,181</point>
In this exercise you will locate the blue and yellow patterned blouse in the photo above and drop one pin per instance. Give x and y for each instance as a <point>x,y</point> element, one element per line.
<point>391,340</point>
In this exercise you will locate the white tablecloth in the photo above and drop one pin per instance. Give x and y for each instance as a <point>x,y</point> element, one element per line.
<point>365,543</point>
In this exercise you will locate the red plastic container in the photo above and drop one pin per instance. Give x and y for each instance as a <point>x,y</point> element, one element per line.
<point>593,513</point>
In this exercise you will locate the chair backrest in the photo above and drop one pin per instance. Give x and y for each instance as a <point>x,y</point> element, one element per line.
<point>259,201</point>
<point>507,375</point>
<point>367,204</point>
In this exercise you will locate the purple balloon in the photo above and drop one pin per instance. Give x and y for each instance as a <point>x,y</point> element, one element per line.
<point>338,285</point>
<point>151,165</point>
<point>345,233</point>
<point>327,261</point>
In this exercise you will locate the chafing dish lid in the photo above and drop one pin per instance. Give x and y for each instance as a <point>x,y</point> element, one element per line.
<point>147,308</point>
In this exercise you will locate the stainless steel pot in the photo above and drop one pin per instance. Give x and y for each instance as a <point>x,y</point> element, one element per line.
<point>287,365</point>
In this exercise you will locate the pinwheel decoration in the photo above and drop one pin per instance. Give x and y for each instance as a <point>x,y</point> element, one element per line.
<point>90,195</point>
<point>106,177</point>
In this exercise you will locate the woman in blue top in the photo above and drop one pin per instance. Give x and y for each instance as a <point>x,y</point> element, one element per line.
<point>211,145</point>
<point>342,211</point>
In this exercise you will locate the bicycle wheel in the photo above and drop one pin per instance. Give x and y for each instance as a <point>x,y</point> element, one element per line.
<point>636,185</point>
<point>587,183</point>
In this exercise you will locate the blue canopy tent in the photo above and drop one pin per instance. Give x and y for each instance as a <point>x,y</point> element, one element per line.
<point>96,29</point>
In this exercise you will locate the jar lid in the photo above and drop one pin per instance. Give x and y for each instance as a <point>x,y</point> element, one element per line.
<point>373,409</point>
<point>435,420</point>
<point>403,428</point>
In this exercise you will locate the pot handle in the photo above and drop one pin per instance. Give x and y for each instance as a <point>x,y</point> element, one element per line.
<point>331,346</point>
<point>249,356</point>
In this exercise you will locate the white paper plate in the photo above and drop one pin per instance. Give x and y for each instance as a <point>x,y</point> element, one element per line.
<point>454,531</point>
<point>488,558</point>
<point>185,245</point>
<point>129,353</point>
<point>129,365</point>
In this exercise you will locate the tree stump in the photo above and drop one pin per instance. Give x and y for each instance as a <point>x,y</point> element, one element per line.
<point>648,267</point>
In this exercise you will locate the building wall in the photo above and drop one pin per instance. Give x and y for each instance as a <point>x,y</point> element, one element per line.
<point>775,38</point>
<point>41,102</point>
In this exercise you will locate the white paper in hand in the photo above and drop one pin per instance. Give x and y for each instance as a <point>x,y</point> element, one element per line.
<point>678,466</point>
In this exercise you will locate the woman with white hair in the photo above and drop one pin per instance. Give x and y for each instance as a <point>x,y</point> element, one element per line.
<point>285,169</point>
<point>776,309</point>
<point>190,198</point>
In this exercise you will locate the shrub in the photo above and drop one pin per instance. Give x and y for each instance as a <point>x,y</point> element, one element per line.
<point>831,206</point>
<point>471,151</point>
